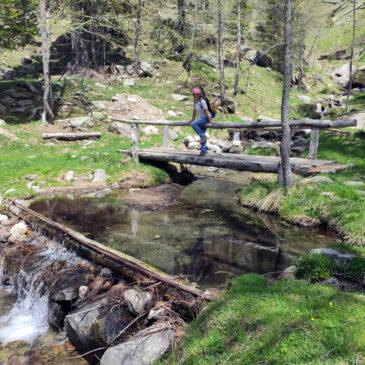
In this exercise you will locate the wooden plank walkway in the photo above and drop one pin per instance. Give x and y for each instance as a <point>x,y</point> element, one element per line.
<point>236,162</point>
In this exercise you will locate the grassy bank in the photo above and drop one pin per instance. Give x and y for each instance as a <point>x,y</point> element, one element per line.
<point>31,155</point>
<point>289,322</point>
<point>340,202</point>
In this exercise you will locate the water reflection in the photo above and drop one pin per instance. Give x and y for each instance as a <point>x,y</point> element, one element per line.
<point>207,237</point>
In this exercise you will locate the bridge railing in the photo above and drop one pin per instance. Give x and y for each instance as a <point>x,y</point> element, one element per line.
<point>314,124</point>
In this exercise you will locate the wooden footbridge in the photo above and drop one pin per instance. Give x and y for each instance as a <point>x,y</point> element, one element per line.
<point>239,162</point>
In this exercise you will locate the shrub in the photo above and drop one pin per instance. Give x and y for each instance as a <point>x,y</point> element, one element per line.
<point>315,267</point>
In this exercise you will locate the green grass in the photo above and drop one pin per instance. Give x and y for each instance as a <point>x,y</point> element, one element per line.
<point>289,322</point>
<point>341,206</point>
<point>32,156</point>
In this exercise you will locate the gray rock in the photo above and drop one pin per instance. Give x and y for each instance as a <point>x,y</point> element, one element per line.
<point>24,103</point>
<point>120,68</point>
<point>98,116</point>
<point>18,233</point>
<point>8,101</point>
<point>138,301</point>
<point>319,179</point>
<point>80,122</point>
<point>269,145</point>
<point>188,139</point>
<point>3,218</point>
<point>102,105</point>
<point>171,113</point>
<point>100,177</point>
<point>300,142</point>
<point>145,69</point>
<point>6,74</point>
<point>147,348</point>
<point>289,273</point>
<point>19,110</point>
<point>209,60</point>
<point>150,130</point>
<point>156,314</point>
<point>2,122</point>
<point>3,109</point>
<point>178,97</point>
<point>120,128</point>
<point>16,95</point>
<point>342,74</point>
<point>129,82</point>
<point>333,282</point>
<point>340,258</point>
<point>359,76</point>
<point>83,291</point>
<point>96,325</point>
<point>194,146</point>
<point>174,135</point>
<point>236,150</point>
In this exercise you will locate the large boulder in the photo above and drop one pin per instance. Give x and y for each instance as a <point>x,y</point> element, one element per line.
<point>147,348</point>
<point>120,128</point>
<point>359,77</point>
<point>145,69</point>
<point>342,74</point>
<point>96,325</point>
<point>78,123</point>
<point>342,259</point>
<point>209,60</point>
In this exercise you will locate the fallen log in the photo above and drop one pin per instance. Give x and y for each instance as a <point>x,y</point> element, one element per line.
<point>227,161</point>
<point>71,136</point>
<point>103,254</point>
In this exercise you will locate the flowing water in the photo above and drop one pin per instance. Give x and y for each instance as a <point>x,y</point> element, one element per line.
<point>24,302</point>
<point>207,237</point>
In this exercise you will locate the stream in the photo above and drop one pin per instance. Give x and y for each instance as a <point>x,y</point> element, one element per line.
<point>207,237</point>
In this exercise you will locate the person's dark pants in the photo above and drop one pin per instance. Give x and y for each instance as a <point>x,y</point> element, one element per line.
<point>199,127</point>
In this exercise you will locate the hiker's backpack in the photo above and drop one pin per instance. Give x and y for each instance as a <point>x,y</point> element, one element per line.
<point>212,106</point>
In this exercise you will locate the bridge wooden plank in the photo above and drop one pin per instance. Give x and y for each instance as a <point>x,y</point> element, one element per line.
<point>242,163</point>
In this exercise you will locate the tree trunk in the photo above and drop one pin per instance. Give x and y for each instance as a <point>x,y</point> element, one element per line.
<point>285,148</point>
<point>181,25</point>
<point>302,60</point>
<point>44,31</point>
<point>352,53</point>
<point>138,37</point>
<point>238,55</point>
<point>220,46</point>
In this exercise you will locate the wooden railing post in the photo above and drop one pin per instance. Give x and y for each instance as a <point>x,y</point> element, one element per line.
<point>166,136</point>
<point>313,148</point>
<point>135,142</point>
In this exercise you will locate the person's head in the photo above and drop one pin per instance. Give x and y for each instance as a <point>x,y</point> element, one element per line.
<point>197,93</point>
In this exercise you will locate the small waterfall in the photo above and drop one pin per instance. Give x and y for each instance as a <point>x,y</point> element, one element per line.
<point>236,136</point>
<point>27,319</point>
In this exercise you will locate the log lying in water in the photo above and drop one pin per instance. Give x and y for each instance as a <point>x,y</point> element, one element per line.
<point>102,254</point>
<point>71,136</point>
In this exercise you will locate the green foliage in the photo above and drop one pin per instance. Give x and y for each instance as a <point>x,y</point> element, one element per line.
<point>289,322</point>
<point>18,23</point>
<point>341,205</point>
<point>315,268</point>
